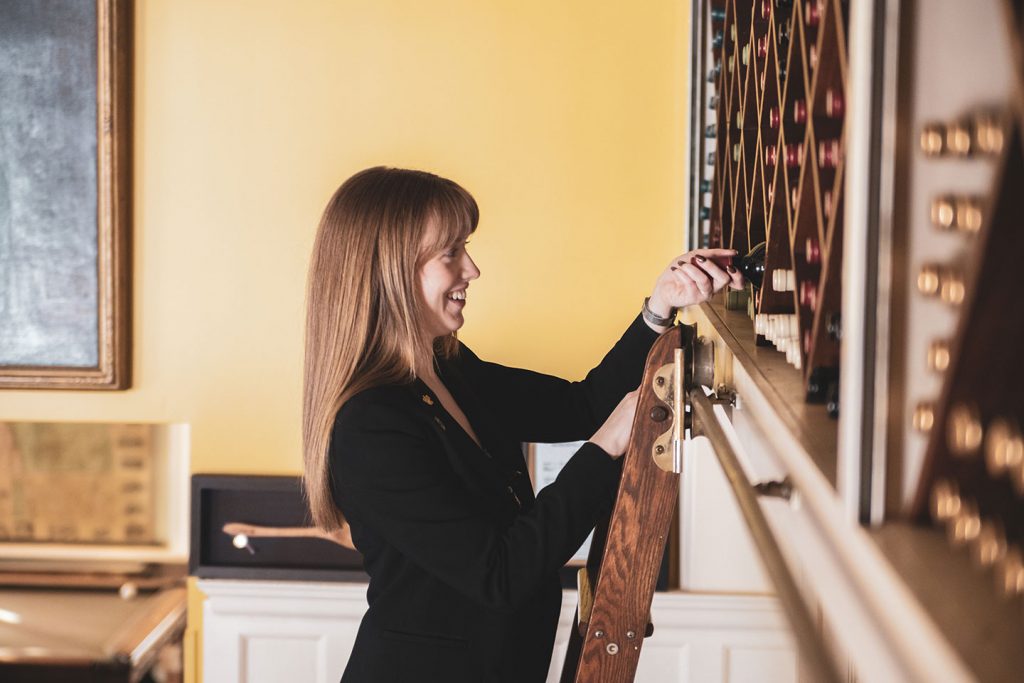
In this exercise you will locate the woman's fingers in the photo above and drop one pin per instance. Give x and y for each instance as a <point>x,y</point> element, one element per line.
<point>700,279</point>
<point>717,273</point>
<point>736,279</point>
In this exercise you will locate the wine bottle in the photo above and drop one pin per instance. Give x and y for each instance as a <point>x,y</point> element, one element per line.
<point>751,265</point>
<point>713,102</point>
<point>812,251</point>
<point>832,400</point>
<point>705,185</point>
<point>773,117</point>
<point>762,47</point>
<point>714,72</point>
<point>808,295</point>
<point>833,104</point>
<point>716,40</point>
<point>818,383</point>
<point>829,152</point>
<point>812,12</point>
<point>710,131</point>
<point>794,155</point>
<point>782,40</point>
<point>834,326</point>
<point>800,112</point>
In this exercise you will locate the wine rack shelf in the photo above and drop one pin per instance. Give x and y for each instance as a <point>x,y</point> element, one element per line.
<point>896,131</point>
<point>779,75</point>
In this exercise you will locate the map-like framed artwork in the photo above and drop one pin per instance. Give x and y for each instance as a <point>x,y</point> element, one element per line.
<point>65,194</point>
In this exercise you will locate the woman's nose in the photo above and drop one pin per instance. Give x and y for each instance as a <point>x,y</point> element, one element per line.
<point>471,272</point>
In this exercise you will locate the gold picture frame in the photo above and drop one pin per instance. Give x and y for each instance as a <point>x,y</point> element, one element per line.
<point>113,144</point>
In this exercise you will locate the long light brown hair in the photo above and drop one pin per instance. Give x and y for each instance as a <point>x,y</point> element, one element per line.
<point>365,314</point>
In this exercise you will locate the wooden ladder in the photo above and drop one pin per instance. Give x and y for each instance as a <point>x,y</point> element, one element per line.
<point>617,585</point>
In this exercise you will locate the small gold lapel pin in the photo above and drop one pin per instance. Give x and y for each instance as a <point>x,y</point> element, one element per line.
<point>426,399</point>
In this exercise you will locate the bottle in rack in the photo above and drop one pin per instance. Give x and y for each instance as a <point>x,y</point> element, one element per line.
<point>800,112</point>
<point>782,40</point>
<point>829,153</point>
<point>833,103</point>
<point>812,12</point>
<point>812,251</point>
<point>751,265</point>
<point>794,155</point>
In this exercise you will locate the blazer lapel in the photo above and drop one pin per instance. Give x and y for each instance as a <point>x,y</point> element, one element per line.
<point>474,466</point>
<point>506,453</point>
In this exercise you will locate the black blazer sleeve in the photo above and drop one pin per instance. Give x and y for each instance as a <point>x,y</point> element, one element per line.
<point>390,477</point>
<point>533,407</point>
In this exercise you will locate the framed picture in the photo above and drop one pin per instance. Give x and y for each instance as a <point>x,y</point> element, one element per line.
<point>545,461</point>
<point>65,194</point>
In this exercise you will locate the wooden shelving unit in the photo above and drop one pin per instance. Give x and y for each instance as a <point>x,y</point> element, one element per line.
<point>778,171</point>
<point>894,132</point>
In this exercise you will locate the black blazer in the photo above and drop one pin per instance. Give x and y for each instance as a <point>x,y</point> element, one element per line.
<point>463,559</point>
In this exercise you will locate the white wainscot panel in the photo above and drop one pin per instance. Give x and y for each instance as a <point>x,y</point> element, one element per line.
<point>269,631</point>
<point>717,554</point>
<point>273,631</point>
<point>705,639</point>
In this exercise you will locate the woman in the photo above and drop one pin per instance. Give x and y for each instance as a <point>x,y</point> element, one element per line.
<point>414,443</point>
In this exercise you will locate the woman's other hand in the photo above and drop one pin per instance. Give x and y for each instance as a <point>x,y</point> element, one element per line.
<point>613,436</point>
<point>692,278</point>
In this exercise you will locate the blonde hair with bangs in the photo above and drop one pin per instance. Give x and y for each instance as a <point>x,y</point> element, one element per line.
<point>365,314</point>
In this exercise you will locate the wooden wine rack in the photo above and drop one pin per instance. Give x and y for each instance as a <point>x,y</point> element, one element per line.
<point>972,483</point>
<point>929,453</point>
<point>779,75</point>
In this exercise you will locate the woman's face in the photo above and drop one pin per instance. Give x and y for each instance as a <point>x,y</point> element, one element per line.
<point>444,280</point>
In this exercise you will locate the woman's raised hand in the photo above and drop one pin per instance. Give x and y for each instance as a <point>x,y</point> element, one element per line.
<point>692,278</point>
<point>613,436</point>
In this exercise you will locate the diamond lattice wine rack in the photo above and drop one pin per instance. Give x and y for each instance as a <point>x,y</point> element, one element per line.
<point>877,150</point>
<point>776,171</point>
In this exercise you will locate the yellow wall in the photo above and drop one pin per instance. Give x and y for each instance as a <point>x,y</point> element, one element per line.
<point>565,118</point>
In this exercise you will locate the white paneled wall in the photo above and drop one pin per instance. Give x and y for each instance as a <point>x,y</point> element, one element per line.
<point>272,631</point>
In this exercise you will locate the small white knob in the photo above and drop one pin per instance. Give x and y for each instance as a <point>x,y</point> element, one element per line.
<point>241,541</point>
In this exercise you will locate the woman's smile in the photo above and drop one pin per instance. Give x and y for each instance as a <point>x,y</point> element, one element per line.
<point>444,281</point>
